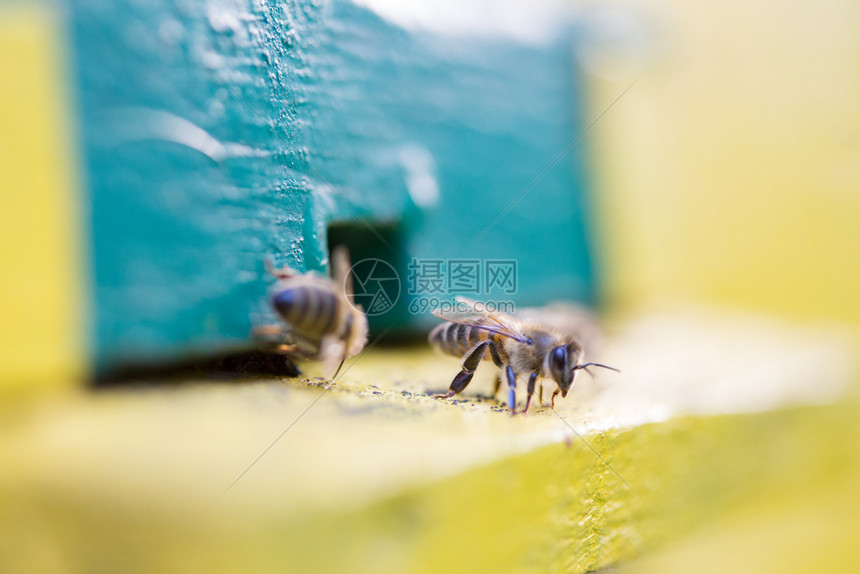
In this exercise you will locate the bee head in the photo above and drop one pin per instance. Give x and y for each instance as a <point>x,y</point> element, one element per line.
<point>562,360</point>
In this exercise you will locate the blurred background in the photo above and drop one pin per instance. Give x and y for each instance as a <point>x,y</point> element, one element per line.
<point>691,173</point>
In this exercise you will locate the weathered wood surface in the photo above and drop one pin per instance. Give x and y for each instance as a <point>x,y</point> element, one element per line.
<point>375,475</point>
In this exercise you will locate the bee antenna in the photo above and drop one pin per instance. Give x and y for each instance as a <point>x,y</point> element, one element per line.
<point>279,273</point>
<point>586,365</point>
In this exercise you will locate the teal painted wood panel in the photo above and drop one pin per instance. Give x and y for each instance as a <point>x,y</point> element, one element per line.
<point>216,134</point>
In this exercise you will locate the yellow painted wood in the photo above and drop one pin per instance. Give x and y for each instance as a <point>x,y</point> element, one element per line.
<point>816,530</point>
<point>555,509</point>
<point>41,289</point>
<point>729,172</point>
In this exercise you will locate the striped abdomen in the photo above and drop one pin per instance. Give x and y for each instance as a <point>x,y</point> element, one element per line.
<point>310,310</point>
<point>457,339</point>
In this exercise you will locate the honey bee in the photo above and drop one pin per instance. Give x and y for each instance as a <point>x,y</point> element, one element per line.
<point>320,320</point>
<point>517,347</point>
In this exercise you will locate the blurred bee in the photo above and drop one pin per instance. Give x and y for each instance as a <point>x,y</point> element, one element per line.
<point>517,347</point>
<point>320,320</point>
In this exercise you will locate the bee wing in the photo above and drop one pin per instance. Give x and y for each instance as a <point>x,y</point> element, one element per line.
<point>484,320</point>
<point>476,306</point>
<point>503,321</point>
<point>341,270</point>
<point>568,318</point>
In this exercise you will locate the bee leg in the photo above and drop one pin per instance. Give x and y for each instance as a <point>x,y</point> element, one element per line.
<point>530,389</point>
<point>512,389</point>
<point>552,403</point>
<point>286,349</point>
<point>274,339</point>
<point>267,330</point>
<point>498,362</point>
<point>270,335</point>
<point>467,370</point>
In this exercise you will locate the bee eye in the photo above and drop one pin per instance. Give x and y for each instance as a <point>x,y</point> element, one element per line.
<point>558,359</point>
